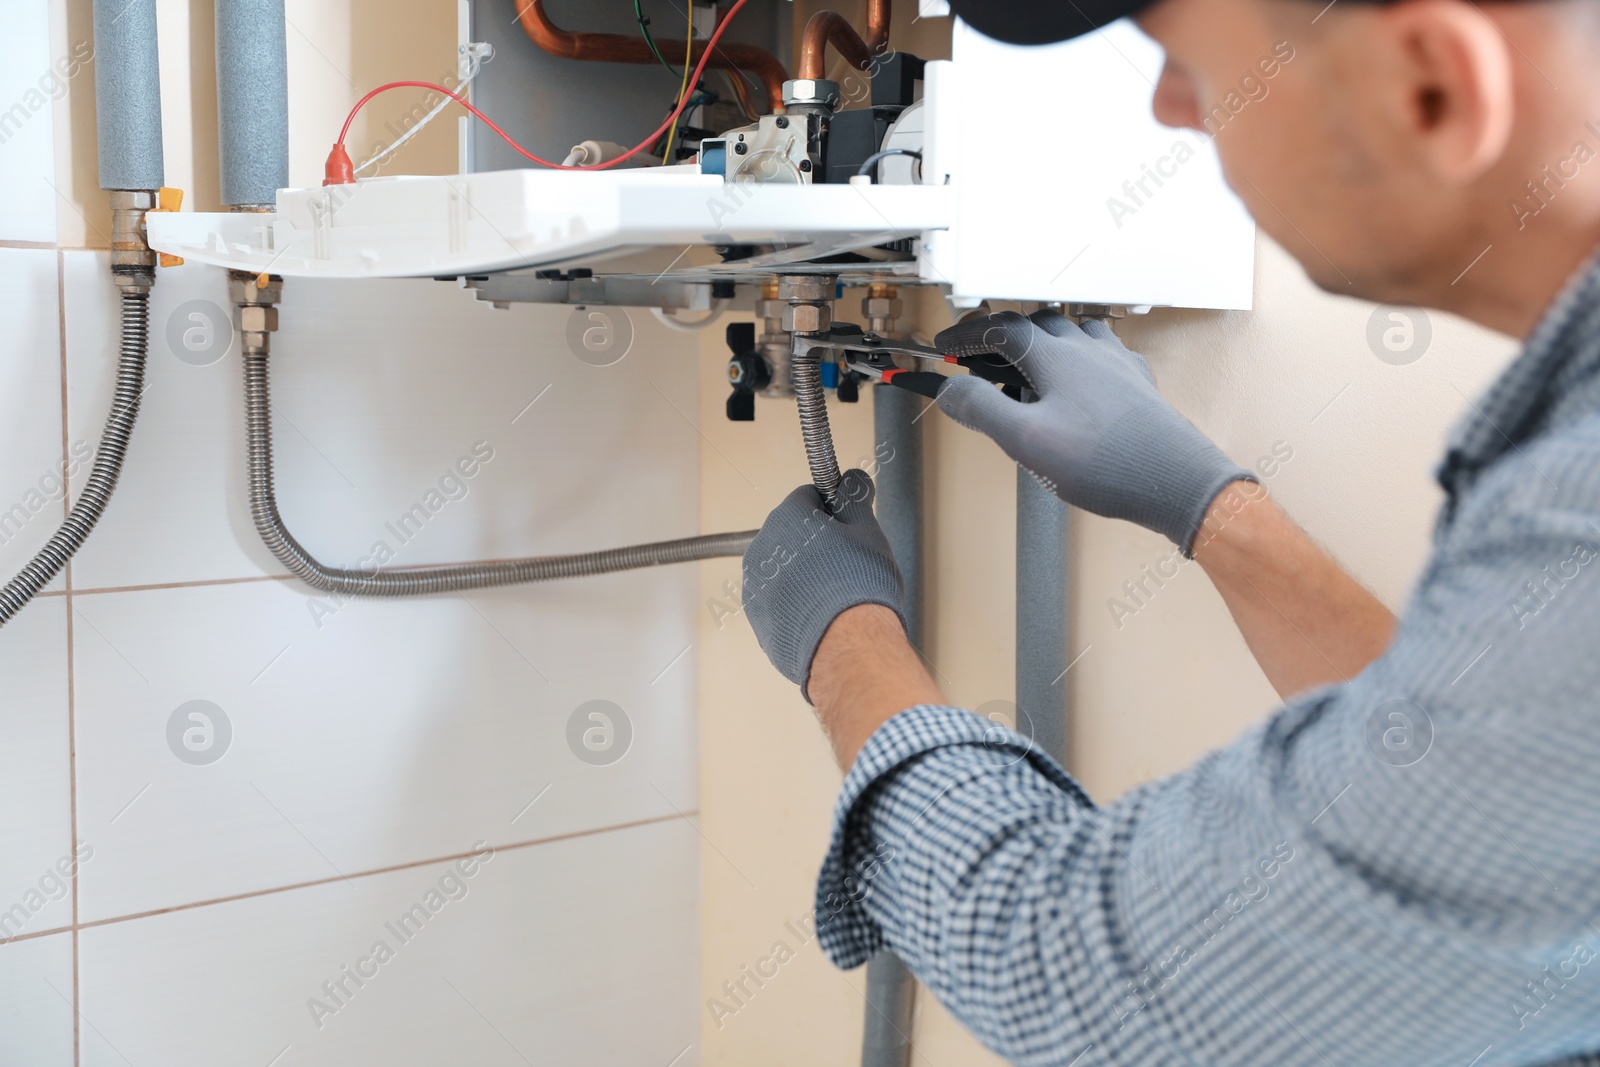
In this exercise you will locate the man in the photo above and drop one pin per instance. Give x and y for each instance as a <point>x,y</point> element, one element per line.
<point>1402,865</point>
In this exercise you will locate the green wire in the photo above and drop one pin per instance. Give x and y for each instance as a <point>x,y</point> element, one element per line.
<point>644,26</point>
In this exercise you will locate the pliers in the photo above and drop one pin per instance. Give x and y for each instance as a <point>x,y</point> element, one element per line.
<point>869,353</point>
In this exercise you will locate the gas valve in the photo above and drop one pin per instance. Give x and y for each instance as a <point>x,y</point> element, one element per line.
<point>748,372</point>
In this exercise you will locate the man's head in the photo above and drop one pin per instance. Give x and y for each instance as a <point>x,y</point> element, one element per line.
<point>1403,140</point>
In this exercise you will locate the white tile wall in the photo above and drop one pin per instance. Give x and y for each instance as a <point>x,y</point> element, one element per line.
<point>31,485</point>
<point>31,78</point>
<point>579,952</point>
<point>35,790</point>
<point>391,734</point>
<point>369,734</point>
<point>36,1001</point>
<point>364,736</point>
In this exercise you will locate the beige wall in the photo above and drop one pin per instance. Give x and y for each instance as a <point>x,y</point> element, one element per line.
<point>1148,697</point>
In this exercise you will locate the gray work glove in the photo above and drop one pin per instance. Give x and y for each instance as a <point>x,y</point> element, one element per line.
<point>1100,436</point>
<point>806,567</point>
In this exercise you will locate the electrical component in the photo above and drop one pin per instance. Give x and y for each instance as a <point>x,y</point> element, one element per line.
<point>683,90</point>
<point>871,162</point>
<point>588,153</point>
<point>774,150</point>
<point>860,134</point>
<point>649,39</point>
<point>339,171</point>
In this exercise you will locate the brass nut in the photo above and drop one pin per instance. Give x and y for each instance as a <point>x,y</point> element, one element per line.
<point>253,319</point>
<point>817,91</point>
<point>807,318</point>
<point>810,287</point>
<point>245,290</point>
<point>879,307</point>
<point>133,199</point>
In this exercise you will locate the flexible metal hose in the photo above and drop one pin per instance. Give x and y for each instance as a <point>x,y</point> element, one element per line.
<point>91,503</point>
<point>813,404</point>
<point>416,581</point>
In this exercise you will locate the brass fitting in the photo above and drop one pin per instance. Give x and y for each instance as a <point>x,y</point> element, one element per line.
<point>769,306</point>
<point>132,262</point>
<point>775,342</point>
<point>807,318</point>
<point>256,296</point>
<point>811,288</point>
<point>810,302</point>
<point>771,313</point>
<point>254,319</point>
<point>882,307</point>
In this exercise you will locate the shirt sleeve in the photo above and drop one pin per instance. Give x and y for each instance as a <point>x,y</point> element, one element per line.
<point>1403,868</point>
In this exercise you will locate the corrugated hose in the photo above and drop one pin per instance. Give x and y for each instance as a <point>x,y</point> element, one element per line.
<point>415,581</point>
<point>107,468</point>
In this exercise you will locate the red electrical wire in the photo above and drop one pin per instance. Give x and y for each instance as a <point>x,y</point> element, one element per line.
<point>340,171</point>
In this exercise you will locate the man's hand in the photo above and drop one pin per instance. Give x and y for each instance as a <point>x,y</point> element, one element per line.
<point>806,567</point>
<point>1101,436</point>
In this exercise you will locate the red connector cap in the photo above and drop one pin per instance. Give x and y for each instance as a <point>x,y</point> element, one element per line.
<point>339,170</point>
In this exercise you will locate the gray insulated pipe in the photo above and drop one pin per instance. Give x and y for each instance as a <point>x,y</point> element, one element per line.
<point>891,990</point>
<point>252,102</point>
<point>127,94</point>
<point>1042,615</point>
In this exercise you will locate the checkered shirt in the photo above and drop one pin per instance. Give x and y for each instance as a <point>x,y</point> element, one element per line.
<point>1402,870</point>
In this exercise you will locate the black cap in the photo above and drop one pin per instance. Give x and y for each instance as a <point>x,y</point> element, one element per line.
<point>1033,22</point>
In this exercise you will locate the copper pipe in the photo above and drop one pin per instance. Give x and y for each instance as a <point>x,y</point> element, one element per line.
<point>620,48</point>
<point>828,27</point>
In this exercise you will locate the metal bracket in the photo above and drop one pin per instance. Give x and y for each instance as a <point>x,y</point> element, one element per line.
<point>615,290</point>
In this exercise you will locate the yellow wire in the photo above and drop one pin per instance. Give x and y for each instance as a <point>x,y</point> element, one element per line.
<point>688,57</point>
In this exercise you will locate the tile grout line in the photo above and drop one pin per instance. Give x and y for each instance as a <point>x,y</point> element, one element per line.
<point>49,247</point>
<point>61,338</point>
<point>207,583</point>
<point>72,723</point>
<point>14,938</point>
<point>201,584</point>
<point>392,868</point>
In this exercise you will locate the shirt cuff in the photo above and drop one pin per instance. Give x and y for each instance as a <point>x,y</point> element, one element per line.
<point>845,930</point>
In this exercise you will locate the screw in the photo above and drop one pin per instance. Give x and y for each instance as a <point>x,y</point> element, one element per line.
<point>782,122</point>
<point>740,148</point>
<point>805,166</point>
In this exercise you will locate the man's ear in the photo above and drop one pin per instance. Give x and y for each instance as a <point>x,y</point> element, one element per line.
<point>1459,91</point>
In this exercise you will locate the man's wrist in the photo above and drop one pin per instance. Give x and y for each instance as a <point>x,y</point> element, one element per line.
<point>1229,522</point>
<point>865,672</point>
